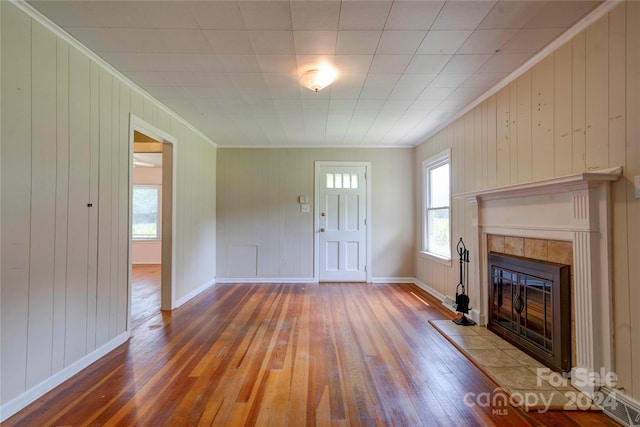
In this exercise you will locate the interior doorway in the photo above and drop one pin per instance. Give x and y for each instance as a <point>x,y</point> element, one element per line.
<point>151,215</point>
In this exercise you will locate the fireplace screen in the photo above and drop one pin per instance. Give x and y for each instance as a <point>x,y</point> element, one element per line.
<point>529,306</point>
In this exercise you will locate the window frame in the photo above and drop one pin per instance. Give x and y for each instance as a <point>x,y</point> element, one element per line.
<point>158,188</point>
<point>428,165</point>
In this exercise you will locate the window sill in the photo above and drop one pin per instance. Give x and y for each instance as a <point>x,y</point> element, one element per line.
<point>437,258</point>
<point>151,240</point>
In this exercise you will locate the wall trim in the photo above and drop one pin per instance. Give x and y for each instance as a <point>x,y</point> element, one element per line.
<point>446,300</point>
<point>194,293</point>
<point>55,29</point>
<point>392,280</point>
<point>29,396</point>
<point>266,280</point>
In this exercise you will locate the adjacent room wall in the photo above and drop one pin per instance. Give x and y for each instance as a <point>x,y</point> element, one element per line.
<point>258,208</point>
<point>575,111</point>
<point>65,144</point>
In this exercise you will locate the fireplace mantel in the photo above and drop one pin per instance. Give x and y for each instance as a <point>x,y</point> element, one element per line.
<point>574,208</point>
<point>547,186</point>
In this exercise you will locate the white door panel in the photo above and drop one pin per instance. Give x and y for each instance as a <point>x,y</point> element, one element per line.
<point>342,223</point>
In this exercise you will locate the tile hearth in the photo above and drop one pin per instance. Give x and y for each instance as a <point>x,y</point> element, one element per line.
<point>513,370</point>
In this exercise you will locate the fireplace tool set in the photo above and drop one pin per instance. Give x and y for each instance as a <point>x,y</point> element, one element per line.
<point>462,295</point>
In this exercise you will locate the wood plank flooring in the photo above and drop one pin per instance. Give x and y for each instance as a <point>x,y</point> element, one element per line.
<point>340,354</point>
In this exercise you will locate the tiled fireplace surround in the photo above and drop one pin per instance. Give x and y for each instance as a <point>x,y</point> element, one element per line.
<point>540,249</point>
<point>565,220</point>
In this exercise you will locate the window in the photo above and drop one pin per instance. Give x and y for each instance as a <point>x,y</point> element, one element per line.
<point>342,180</point>
<point>145,216</point>
<point>437,194</point>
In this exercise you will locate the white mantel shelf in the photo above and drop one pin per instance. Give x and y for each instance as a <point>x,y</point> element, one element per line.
<point>546,186</point>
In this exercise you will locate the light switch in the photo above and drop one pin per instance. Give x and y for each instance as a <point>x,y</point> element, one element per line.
<point>303,199</point>
<point>305,208</point>
<point>636,184</point>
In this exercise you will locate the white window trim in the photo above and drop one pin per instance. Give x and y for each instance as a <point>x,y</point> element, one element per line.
<point>158,187</point>
<point>428,164</point>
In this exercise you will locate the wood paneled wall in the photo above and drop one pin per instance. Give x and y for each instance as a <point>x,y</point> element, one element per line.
<point>259,218</point>
<point>576,110</point>
<point>65,143</point>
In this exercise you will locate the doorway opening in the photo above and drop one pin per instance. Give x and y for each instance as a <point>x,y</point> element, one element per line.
<point>151,213</point>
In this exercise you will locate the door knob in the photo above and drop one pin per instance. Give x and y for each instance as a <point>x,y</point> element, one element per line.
<point>322,230</point>
<point>323,214</point>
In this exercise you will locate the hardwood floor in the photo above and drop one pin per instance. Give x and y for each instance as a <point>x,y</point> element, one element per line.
<point>286,354</point>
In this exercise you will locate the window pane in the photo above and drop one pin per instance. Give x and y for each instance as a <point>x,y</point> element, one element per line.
<point>346,180</point>
<point>439,186</point>
<point>144,216</point>
<point>338,180</point>
<point>329,180</point>
<point>438,232</point>
<point>354,180</point>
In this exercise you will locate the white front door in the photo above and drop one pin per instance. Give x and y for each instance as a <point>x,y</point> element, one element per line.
<point>341,223</point>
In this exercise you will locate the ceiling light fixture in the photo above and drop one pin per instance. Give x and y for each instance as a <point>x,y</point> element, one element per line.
<point>317,79</point>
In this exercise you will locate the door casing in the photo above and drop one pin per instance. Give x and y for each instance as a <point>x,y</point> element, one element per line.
<point>167,297</point>
<point>316,215</point>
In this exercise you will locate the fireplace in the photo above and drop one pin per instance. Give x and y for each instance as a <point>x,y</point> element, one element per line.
<point>529,307</point>
<point>574,209</point>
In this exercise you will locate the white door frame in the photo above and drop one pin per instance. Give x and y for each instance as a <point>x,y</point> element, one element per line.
<point>167,298</point>
<point>316,215</point>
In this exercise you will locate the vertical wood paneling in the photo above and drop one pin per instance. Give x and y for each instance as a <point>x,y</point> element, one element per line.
<point>524,127</point>
<point>94,174</point>
<point>578,102</point>
<point>597,86</point>
<point>485,144</point>
<point>16,194</point>
<point>117,203</point>
<point>43,204</point>
<point>542,128</point>
<point>123,213</point>
<point>617,153</point>
<point>469,155</point>
<point>502,137</point>
<point>62,205</point>
<point>492,126</point>
<point>513,132</point>
<point>477,144</point>
<point>633,205</point>
<point>105,206</point>
<point>617,86</point>
<point>563,150</point>
<point>78,220</point>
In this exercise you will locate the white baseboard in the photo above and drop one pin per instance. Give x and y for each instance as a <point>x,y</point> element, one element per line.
<point>194,293</point>
<point>447,301</point>
<point>266,280</point>
<point>428,289</point>
<point>393,280</point>
<point>29,396</point>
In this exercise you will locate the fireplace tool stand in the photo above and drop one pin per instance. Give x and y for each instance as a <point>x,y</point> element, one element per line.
<point>462,296</point>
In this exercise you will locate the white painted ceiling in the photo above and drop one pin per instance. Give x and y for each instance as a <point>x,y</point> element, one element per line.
<point>231,68</point>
